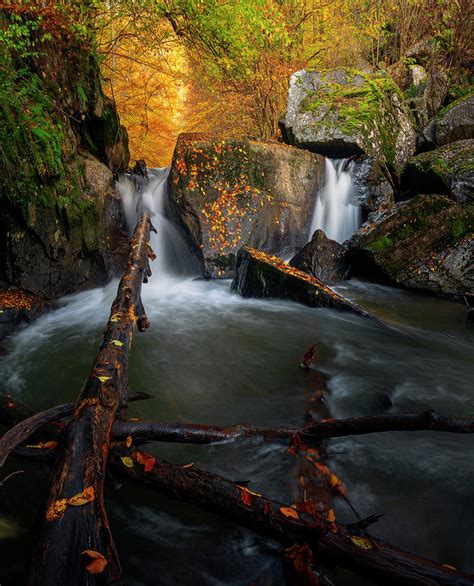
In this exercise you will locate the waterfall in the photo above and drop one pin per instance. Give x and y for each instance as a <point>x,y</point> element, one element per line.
<point>337,210</point>
<point>169,244</point>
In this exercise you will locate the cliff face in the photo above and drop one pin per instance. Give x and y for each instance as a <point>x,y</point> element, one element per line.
<point>61,142</point>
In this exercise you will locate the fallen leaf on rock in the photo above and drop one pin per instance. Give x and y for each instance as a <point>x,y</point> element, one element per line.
<point>117,343</point>
<point>128,441</point>
<point>103,378</point>
<point>362,542</point>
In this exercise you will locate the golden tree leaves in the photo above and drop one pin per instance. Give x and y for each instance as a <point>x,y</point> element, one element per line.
<point>98,561</point>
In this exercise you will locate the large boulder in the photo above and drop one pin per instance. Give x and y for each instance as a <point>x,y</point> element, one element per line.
<point>343,112</point>
<point>230,192</point>
<point>447,170</point>
<point>451,124</point>
<point>61,144</point>
<point>424,243</point>
<point>322,258</point>
<point>426,93</point>
<point>261,275</point>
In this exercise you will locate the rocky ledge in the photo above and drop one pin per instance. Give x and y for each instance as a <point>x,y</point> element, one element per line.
<point>261,275</point>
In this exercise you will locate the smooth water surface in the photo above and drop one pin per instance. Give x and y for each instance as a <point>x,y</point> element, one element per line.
<point>212,357</point>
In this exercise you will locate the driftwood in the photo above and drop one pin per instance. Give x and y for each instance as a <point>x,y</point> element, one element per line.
<point>347,547</point>
<point>27,427</point>
<point>76,519</point>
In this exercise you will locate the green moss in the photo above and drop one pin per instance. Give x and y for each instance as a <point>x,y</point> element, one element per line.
<point>381,243</point>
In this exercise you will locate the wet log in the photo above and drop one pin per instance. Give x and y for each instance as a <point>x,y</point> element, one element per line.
<point>347,547</point>
<point>312,435</point>
<point>336,544</point>
<point>76,519</point>
<point>29,425</point>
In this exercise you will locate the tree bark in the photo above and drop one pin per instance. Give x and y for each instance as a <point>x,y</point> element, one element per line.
<point>76,519</point>
<point>336,544</point>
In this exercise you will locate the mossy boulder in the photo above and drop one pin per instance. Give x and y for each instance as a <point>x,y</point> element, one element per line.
<point>261,275</point>
<point>424,243</point>
<point>230,192</point>
<point>451,124</point>
<point>426,93</point>
<point>447,170</point>
<point>61,143</point>
<point>322,258</point>
<point>343,112</point>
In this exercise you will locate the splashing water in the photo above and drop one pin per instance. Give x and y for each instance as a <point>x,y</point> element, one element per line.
<point>169,243</point>
<point>337,210</point>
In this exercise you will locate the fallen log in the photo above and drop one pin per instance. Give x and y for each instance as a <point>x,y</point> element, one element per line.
<point>27,427</point>
<point>347,547</point>
<point>367,556</point>
<point>76,520</point>
<point>197,433</point>
<point>311,435</point>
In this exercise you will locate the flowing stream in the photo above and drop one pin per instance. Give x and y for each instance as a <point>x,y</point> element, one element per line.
<point>211,356</point>
<point>337,210</point>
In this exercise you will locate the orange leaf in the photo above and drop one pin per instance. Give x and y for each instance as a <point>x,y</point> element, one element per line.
<point>330,516</point>
<point>146,460</point>
<point>50,445</point>
<point>128,441</point>
<point>289,512</point>
<point>190,465</point>
<point>97,563</point>
<point>82,498</point>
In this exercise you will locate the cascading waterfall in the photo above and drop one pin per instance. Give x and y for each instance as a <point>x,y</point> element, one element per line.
<point>173,257</point>
<point>337,210</point>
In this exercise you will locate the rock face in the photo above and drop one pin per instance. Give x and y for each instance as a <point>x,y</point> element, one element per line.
<point>322,258</point>
<point>18,308</point>
<point>261,275</point>
<point>426,93</point>
<point>451,124</point>
<point>240,191</point>
<point>60,222</point>
<point>448,170</point>
<point>342,112</point>
<point>424,243</point>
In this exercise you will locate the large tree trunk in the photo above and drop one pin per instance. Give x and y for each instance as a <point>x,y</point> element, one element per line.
<point>76,519</point>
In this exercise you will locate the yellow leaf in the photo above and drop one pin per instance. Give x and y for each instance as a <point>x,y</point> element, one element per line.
<point>115,317</point>
<point>86,496</point>
<point>128,462</point>
<point>56,510</point>
<point>289,512</point>
<point>117,343</point>
<point>103,378</point>
<point>362,542</point>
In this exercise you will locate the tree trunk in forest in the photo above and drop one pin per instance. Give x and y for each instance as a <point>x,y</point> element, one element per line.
<point>76,520</point>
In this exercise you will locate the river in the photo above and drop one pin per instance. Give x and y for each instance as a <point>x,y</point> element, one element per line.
<point>211,356</point>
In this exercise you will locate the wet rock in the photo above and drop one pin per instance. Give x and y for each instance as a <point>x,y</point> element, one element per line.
<point>424,243</point>
<point>18,308</point>
<point>240,191</point>
<point>322,258</point>
<point>340,113</point>
<point>426,93</point>
<point>261,275</point>
<point>448,170</point>
<point>374,191</point>
<point>453,123</point>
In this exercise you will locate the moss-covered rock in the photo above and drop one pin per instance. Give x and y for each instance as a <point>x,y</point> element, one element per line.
<point>344,112</point>
<point>424,243</point>
<point>261,275</point>
<point>235,191</point>
<point>448,170</point>
<point>451,124</point>
<point>59,137</point>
